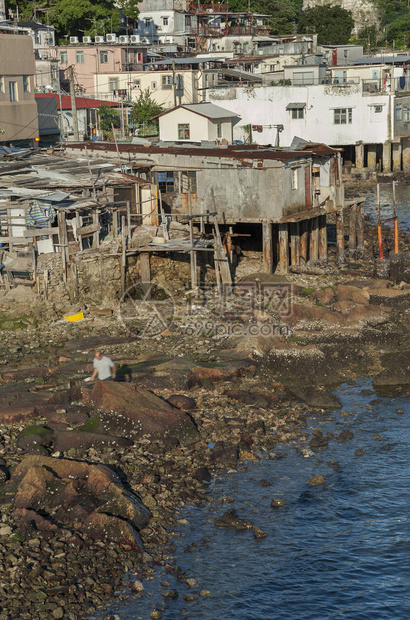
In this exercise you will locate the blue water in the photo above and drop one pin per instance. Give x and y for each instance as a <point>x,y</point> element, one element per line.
<point>336,551</point>
<point>386,204</point>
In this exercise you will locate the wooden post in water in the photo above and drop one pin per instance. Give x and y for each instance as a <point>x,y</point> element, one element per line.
<point>360,229</point>
<point>379,225</point>
<point>295,244</point>
<point>396,221</point>
<point>352,230</point>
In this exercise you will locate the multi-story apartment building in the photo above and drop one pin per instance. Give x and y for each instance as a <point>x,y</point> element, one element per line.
<point>18,110</point>
<point>99,58</point>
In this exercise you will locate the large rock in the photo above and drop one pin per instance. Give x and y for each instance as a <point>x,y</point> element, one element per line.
<point>63,441</point>
<point>126,410</point>
<point>316,396</point>
<point>88,498</point>
<point>223,371</point>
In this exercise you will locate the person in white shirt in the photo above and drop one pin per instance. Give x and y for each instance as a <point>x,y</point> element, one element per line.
<point>104,367</point>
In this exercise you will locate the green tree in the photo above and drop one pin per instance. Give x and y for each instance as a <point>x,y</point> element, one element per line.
<point>332,24</point>
<point>283,13</point>
<point>399,32</point>
<point>145,108</point>
<point>109,118</point>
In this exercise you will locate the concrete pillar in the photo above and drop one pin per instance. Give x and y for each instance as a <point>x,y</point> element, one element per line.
<point>322,238</point>
<point>406,155</point>
<point>295,243</point>
<point>267,247</point>
<point>360,155</point>
<point>387,156</point>
<point>283,266</point>
<point>396,156</point>
<point>340,236</point>
<point>371,157</point>
<point>314,239</point>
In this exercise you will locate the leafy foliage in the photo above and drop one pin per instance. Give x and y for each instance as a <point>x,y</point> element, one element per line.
<point>283,13</point>
<point>108,118</point>
<point>332,24</point>
<point>145,108</point>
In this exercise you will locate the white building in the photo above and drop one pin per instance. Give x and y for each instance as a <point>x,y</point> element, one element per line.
<point>197,122</point>
<point>373,127</point>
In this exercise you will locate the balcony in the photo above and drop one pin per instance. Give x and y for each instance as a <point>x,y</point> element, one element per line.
<point>387,85</point>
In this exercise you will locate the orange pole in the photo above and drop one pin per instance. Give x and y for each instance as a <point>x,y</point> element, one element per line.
<point>396,235</point>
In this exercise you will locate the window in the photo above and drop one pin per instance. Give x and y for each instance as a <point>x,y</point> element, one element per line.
<point>13,91</point>
<point>187,21</point>
<point>79,57</point>
<point>219,130</point>
<point>136,84</point>
<point>346,53</point>
<point>147,21</point>
<point>166,182</point>
<point>104,57</point>
<point>406,113</point>
<point>377,109</point>
<point>165,21</point>
<point>154,85</point>
<point>188,182</point>
<point>1,84</point>
<point>342,116</point>
<point>398,112</point>
<point>298,112</point>
<point>244,47</point>
<point>64,58</point>
<point>166,82</point>
<point>26,84</point>
<point>112,84</point>
<point>37,38</point>
<point>295,174</point>
<point>183,131</point>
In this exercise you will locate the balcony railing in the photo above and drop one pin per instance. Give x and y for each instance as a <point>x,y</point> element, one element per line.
<point>387,85</point>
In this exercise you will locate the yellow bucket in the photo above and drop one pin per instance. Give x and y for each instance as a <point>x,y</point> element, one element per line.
<point>74,317</point>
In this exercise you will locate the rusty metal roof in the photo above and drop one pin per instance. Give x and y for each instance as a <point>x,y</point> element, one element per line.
<point>237,152</point>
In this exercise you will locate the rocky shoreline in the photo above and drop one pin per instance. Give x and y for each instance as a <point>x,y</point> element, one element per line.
<point>92,478</point>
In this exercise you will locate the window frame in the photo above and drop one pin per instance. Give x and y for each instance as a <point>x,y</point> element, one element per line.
<point>64,54</point>
<point>297,113</point>
<point>112,80</point>
<point>26,84</point>
<point>295,178</point>
<point>342,116</point>
<point>188,182</point>
<point>398,113</point>
<point>166,82</point>
<point>103,54</point>
<point>2,90</point>
<point>184,131</point>
<point>13,91</point>
<point>79,57</point>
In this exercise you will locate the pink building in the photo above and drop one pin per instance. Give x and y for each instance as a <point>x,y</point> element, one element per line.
<point>99,58</point>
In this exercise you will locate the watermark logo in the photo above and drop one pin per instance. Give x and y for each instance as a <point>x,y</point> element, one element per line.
<point>246,309</point>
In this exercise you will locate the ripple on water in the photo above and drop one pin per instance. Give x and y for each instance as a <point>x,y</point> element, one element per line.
<point>337,551</point>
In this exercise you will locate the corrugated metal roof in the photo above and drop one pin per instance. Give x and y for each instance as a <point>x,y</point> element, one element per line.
<point>379,60</point>
<point>297,106</point>
<point>210,110</point>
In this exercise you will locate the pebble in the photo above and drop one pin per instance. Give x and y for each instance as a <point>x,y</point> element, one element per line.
<point>191,582</point>
<point>5,530</point>
<point>315,481</point>
<point>277,502</point>
<point>191,597</point>
<point>258,533</point>
<point>205,592</point>
<point>58,613</point>
<point>156,615</point>
<point>137,586</point>
<point>360,452</point>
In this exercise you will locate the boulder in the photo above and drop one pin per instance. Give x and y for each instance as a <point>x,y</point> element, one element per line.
<point>316,396</point>
<point>126,410</point>
<point>324,296</point>
<point>53,493</point>
<point>64,441</point>
<point>352,293</point>
<point>315,481</point>
<point>318,440</point>
<point>35,435</point>
<point>182,402</point>
<point>223,371</point>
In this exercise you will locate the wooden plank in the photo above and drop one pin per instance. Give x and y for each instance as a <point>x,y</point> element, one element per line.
<point>16,240</point>
<point>304,238</point>
<point>295,243</point>
<point>86,231</point>
<point>314,239</point>
<point>40,232</point>
<point>221,256</point>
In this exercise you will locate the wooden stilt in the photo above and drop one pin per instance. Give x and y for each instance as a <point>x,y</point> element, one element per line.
<point>352,231</point>
<point>304,237</point>
<point>340,236</point>
<point>295,244</point>
<point>145,269</point>
<point>267,247</point>
<point>123,254</point>
<point>360,229</point>
<point>314,239</point>
<point>322,238</point>
<point>283,248</point>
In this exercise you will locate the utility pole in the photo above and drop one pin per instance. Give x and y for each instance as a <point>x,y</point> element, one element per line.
<point>173,84</point>
<point>73,103</point>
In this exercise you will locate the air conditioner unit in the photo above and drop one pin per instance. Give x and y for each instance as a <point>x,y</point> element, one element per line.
<point>73,40</point>
<point>135,38</point>
<point>87,40</point>
<point>100,39</point>
<point>111,38</point>
<point>124,38</point>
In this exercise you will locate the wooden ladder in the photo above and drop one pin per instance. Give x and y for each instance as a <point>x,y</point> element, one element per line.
<point>222,262</point>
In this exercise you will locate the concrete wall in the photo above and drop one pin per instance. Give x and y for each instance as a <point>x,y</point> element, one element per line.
<point>266,106</point>
<point>402,117</point>
<point>201,128</point>
<point>18,119</point>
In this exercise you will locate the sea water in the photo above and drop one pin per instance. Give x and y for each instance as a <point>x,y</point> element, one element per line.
<point>338,550</point>
<point>386,204</point>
